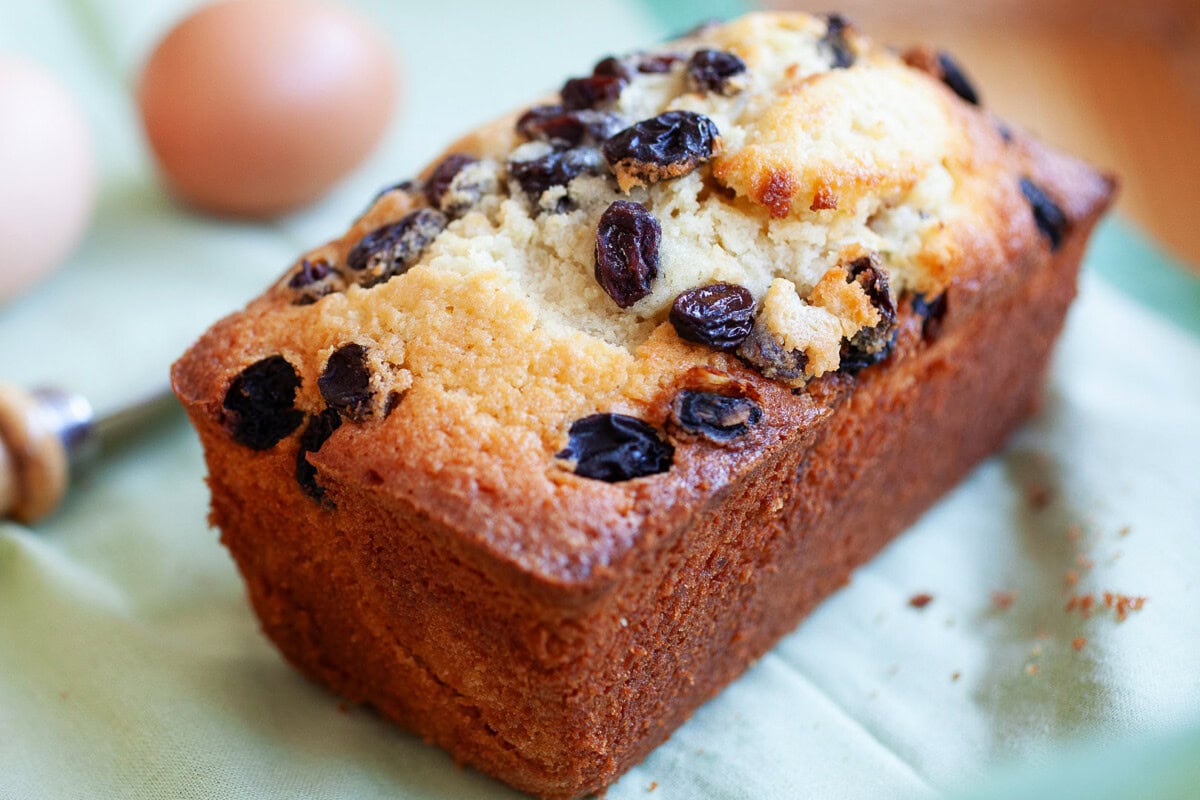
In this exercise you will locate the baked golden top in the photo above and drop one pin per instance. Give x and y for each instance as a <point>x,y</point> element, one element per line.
<point>468,320</point>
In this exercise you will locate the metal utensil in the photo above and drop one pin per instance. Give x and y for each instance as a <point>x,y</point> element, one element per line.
<point>48,435</point>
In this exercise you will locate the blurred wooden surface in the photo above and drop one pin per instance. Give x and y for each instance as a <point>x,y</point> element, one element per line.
<point>1114,82</point>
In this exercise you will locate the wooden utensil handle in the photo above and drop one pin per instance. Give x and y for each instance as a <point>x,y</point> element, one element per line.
<point>34,462</point>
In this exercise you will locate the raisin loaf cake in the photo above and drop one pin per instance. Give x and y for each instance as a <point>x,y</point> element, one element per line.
<point>563,434</point>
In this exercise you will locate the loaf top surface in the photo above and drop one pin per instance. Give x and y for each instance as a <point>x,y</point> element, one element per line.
<point>517,343</point>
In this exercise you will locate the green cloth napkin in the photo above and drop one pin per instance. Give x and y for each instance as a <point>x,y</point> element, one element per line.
<point>131,666</point>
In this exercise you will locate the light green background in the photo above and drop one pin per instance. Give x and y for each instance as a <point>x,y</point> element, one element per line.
<point>131,666</point>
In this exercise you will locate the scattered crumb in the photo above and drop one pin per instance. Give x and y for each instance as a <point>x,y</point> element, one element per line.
<point>343,707</point>
<point>1124,531</point>
<point>64,694</point>
<point>1039,496</point>
<point>1043,635</point>
<point>1082,603</point>
<point>1123,604</point>
<point>1115,557</point>
<point>1074,532</point>
<point>1036,650</point>
<point>1003,600</point>
<point>653,785</point>
<point>954,676</point>
<point>1083,562</point>
<point>1078,643</point>
<point>1071,578</point>
<point>1031,669</point>
<point>920,600</point>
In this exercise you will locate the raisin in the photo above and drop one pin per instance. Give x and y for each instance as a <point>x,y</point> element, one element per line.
<point>312,280</point>
<point>719,315</point>
<point>569,128</point>
<point>556,168</point>
<point>657,63</point>
<point>310,272</point>
<point>714,71</point>
<point>345,383</point>
<point>870,345</point>
<point>627,242</point>
<point>615,447</point>
<point>666,146</point>
<point>854,358</point>
<point>443,175</point>
<point>1051,220</point>
<point>591,92</point>
<point>613,67</point>
<point>953,76</point>
<point>316,433</point>
<point>391,250</point>
<point>841,54</point>
<point>933,313</point>
<point>715,417</point>
<point>260,403</point>
<point>763,351</point>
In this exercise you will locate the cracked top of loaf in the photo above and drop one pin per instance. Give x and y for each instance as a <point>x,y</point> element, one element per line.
<point>590,315</point>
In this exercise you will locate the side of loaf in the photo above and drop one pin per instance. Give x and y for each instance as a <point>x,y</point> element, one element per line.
<point>560,436</point>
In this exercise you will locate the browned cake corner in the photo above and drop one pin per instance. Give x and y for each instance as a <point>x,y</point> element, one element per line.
<point>560,437</point>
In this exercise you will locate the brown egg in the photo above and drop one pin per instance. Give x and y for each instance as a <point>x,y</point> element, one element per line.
<point>256,107</point>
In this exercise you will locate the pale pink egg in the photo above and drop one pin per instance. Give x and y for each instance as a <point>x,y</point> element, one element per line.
<point>47,174</point>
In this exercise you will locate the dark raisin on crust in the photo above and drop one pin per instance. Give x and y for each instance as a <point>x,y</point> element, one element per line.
<point>715,417</point>
<point>345,383</point>
<point>657,63</point>
<point>443,175</point>
<point>719,315</point>
<point>613,67</point>
<point>714,71</point>
<point>953,76</point>
<point>627,241</point>
<point>854,359</point>
<point>870,345</point>
<point>667,146</point>
<point>392,249</point>
<point>933,312</point>
<point>645,63</point>
<point>316,433</point>
<point>312,280</point>
<point>834,41</point>
<point>310,272</point>
<point>595,91</point>
<point>558,126</point>
<point>556,168</point>
<point>1050,219</point>
<point>763,351</point>
<point>260,405</point>
<point>615,447</point>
